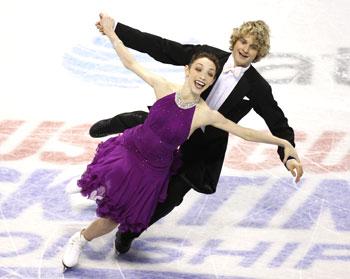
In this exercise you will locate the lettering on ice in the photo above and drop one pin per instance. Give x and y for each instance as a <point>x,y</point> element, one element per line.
<point>39,188</point>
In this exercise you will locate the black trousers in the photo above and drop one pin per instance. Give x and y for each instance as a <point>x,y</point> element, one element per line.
<point>177,189</point>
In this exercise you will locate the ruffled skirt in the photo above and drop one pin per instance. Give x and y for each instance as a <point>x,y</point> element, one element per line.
<point>126,187</point>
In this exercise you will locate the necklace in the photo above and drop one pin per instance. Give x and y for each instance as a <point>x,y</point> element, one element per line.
<point>181,104</point>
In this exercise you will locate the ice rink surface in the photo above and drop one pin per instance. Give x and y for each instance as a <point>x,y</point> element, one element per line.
<point>59,75</point>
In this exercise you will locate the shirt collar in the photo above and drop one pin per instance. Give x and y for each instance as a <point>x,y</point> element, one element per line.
<point>230,64</point>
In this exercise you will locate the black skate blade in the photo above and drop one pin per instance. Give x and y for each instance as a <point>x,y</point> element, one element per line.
<point>65,267</point>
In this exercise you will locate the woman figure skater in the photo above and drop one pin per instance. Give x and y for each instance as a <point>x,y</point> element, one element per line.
<point>130,172</point>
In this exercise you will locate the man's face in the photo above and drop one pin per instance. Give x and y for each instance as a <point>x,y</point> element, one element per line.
<point>244,51</point>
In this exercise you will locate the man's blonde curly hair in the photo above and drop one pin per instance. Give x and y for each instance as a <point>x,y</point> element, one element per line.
<point>261,33</point>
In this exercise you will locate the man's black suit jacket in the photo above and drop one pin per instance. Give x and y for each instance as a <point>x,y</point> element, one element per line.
<point>203,153</point>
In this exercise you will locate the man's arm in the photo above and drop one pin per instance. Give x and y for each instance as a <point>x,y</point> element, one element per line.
<point>162,50</point>
<point>266,106</point>
<point>268,109</point>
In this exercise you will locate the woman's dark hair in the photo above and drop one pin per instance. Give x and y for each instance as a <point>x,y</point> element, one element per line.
<point>212,57</point>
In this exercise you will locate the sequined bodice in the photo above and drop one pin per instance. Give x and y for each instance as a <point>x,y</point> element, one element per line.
<point>166,127</point>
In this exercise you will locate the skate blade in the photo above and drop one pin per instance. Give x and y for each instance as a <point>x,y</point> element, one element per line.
<point>64,267</point>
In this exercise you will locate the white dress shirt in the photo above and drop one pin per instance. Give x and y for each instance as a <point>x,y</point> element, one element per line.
<point>224,85</point>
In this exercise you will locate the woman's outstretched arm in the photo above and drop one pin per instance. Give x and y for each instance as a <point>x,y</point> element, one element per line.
<point>219,121</point>
<point>107,23</point>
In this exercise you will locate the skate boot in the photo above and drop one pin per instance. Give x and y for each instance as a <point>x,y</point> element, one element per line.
<point>73,250</point>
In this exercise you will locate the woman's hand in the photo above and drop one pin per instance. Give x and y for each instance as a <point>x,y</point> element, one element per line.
<point>289,151</point>
<point>295,168</point>
<point>105,25</point>
<point>293,165</point>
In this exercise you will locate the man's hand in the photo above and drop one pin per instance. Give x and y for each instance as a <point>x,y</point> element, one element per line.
<point>295,168</point>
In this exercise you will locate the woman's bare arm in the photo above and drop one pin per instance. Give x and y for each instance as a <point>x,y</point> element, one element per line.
<point>219,121</point>
<point>159,84</point>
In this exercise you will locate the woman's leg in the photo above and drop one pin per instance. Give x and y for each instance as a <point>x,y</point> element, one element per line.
<point>98,228</point>
<point>76,243</point>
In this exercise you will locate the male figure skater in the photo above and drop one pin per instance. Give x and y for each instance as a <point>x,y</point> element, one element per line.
<point>237,90</point>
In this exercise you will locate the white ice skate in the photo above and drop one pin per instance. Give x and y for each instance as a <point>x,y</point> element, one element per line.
<point>73,250</point>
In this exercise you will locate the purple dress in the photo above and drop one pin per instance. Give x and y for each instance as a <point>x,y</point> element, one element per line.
<point>129,174</point>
